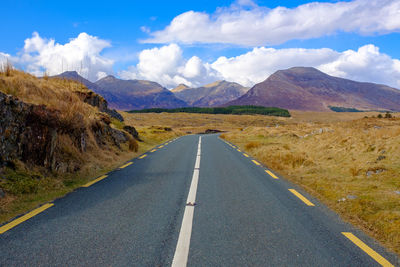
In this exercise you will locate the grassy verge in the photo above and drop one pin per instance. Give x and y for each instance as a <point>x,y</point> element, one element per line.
<point>30,189</point>
<point>352,166</point>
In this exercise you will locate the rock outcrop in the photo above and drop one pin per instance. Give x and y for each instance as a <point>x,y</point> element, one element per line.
<point>41,136</point>
<point>98,101</point>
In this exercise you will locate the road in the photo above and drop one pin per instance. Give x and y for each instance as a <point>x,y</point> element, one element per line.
<point>193,201</point>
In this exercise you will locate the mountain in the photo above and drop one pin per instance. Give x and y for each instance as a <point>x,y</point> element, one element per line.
<point>180,88</point>
<point>304,88</point>
<point>213,94</point>
<point>73,75</point>
<point>129,94</point>
<point>138,94</point>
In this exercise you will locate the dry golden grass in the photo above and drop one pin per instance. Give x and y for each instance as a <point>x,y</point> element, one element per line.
<point>185,123</point>
<point>54,93</point>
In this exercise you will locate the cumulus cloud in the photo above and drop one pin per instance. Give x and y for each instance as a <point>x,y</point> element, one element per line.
<point>244,23</point>
<point>81,54</point>
<point>4,58</point>
<point>167,66</point>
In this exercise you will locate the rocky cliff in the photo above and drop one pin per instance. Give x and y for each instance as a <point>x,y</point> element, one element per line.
<point>40,136</point>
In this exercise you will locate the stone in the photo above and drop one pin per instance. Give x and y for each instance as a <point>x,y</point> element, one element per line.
<point>2,194</point>
<point>133,132</point>
<point>351,197</point>
<point>98,101</point>
<point>380,158</point>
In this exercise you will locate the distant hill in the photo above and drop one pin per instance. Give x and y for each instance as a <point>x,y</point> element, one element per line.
<point>210,95</point>
<point>129,94</point>
<point>303,88</point>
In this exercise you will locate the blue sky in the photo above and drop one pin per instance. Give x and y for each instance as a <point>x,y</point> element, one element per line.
<point>129,37</point>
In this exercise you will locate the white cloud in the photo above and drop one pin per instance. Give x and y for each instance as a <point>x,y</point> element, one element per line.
<point>82,54</point>
<point>245,23</point>
<point>4,58</point>
<point>365,64</point>
<point>167,66</point>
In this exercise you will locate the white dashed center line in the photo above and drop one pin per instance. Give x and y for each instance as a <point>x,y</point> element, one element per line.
<point>182,247</point>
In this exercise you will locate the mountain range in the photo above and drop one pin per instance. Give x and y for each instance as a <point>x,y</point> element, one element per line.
<point>298,88</point>
<point>302,88</point>
<point>129,94</point>
<point>210,95</point>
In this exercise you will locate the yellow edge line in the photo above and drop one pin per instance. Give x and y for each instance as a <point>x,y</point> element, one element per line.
<point>143,156</point>
<point>126,165</point>
<point>154,150</point>
<point>239,150</point>
<point>160,146</point>
<point>305,200</point>
<point>271,174</point>
<point>95,181</point>
<point>25,217</point>
<point>381,260</point>
<point>256,162</point>
<point>244,154</point>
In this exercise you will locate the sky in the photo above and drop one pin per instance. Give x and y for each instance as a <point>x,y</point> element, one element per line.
<point>199,42</point>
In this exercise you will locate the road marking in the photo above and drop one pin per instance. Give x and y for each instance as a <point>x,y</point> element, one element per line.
<point>271,174</point>
<point>256,162</point>
<point>25,217</point>
<point>239,150</point>
<point>126,165</point>
<point>182,247</point>
<point>95,181</point>
<point>154,150</point>
<point>244,154</point>
<point>305,200</point>
<point>142,156</point>
<point>160,146</point>
<point>381,260</point>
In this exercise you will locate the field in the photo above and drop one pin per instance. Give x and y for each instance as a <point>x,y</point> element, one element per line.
<point>349,161</point>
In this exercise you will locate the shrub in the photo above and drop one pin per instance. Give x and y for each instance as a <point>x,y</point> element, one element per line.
<point>252,145</point>
<point>133,145</point>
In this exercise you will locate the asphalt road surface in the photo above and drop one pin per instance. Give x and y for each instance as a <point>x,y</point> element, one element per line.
<point>195,201</point>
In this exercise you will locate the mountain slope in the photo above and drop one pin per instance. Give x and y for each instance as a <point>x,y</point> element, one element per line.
<point>213,94</point>
<point>304,88</point>
<point>129,94</point>
<point>137,94</point>
<point>181,87</point>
